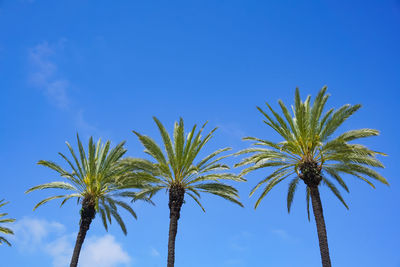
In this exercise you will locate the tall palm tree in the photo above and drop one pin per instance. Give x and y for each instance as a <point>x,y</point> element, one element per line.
<point>177,172</point>
<point>93,181</point>
<point>3,229</point>
<point>310,153</point>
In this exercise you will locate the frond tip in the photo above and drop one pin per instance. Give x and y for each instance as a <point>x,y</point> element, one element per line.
<point>3,229</point>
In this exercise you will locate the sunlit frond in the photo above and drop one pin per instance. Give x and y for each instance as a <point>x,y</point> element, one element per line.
<point>5,230</point>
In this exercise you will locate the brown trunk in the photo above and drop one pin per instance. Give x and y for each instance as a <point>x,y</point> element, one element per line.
<point>176,196</point>
<point>321,229</point>
<point>87,214</point>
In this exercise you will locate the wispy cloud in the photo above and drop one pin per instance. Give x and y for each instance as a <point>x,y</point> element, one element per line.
<point>283,235</point>
<point>154,252</point>
<point>239,242</point>
<point>44,74</point>
<point>41,236</point>
<point>30,232</point>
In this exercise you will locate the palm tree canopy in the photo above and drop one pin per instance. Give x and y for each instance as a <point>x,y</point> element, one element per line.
<point>178,167</point>
<point>93,176</point>
<point>3,229</point>
<point>307,135</point>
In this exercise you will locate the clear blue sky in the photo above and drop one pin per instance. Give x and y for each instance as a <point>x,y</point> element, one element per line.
<point>104,68</point>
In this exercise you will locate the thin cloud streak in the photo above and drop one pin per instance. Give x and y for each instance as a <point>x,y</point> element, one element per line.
<point>283,235</point>
<point>44,75</point>
<point>154,253</point>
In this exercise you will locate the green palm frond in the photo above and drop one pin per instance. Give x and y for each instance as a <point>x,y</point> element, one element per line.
<point>177,166</point>
<point>54,185</point>
<point>291,190</point>
<point>195,196</point>
<point>5,230</point>
<point>96,175</point>
<point>335,191</point>
<point>307,136</point>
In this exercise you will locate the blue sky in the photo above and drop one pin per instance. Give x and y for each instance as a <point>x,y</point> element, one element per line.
<point>105,68</point>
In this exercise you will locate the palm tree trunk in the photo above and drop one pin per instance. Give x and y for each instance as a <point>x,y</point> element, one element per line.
<point>176,195</point>
<point>321,228</point>
<point>87,214</point>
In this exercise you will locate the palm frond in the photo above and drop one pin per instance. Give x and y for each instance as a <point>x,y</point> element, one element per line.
<point>5,230</point>
<point>196,199</point>
<point>357,134</point>
<point>291,190</point>
<point>167,144</point>
<point>151,147</point>
<point>268,188</point>
<point>278,173</point>
<point>53,185</point>
<point>44,201</point>
<point>335,191</point>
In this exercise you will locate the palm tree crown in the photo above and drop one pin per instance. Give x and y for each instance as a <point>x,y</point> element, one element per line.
<point>308,147</point>
<point>3,229</point>
<point>177,168</point>
<point>92,179</point>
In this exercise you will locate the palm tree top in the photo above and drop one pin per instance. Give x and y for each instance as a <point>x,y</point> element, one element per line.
<point>93,177</point>
<point>308,144</point>
<point>178,165</point>
<point>3,229</point>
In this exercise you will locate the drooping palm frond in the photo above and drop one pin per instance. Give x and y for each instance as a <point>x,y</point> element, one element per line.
<point>94,175</point>
<point>5,230</point>
<point>307,135</point>
<point>177,164</point>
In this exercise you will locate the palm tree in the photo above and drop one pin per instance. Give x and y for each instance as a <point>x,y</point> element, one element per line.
<point>5,230</point>
<point>179,175</point>
<point>310,153</point>
<point>93,181</point>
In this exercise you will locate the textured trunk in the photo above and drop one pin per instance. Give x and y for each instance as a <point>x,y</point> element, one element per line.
<point>176,195</point>
<point>87,214</point>
<point>321,229</point>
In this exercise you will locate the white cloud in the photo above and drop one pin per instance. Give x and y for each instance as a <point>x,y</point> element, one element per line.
<point>44,74</point>
<point>30,232</point>
<point>103,252</point>
<point>61,250</point>
<point>50,238</point>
